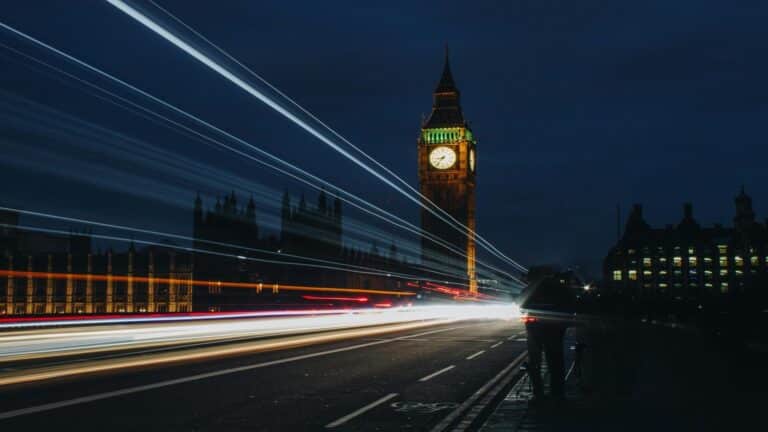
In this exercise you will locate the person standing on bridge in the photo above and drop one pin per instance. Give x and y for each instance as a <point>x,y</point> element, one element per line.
<point>548,304</point>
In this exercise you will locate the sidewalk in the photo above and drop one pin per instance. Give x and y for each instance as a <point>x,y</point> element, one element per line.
<point>647,378</point>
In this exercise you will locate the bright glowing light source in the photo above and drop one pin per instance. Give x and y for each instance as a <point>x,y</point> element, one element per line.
<point>587,287</point>
<point>245,335</point>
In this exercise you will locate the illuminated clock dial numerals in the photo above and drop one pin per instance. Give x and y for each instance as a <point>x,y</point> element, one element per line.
<point>472,160</point>
<point>442,157</point>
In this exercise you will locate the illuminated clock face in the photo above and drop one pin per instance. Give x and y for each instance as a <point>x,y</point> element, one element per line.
<point>472,160</point>
<point>442,157</point>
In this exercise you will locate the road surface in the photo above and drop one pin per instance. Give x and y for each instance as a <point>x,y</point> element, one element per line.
<point>404,380</point>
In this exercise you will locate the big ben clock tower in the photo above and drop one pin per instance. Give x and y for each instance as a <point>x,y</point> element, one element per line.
<point>447,158</point>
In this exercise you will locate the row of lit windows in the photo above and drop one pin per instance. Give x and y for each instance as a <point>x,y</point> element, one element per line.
<point>694,261</point>
<point>632,274</point>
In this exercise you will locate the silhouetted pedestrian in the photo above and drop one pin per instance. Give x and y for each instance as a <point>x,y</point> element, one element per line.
<point>548,305</point>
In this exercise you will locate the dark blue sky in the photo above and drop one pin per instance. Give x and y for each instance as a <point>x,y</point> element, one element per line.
<point>578,106</point>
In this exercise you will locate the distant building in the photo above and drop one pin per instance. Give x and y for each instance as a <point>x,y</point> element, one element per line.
<point>155,279</point>
<point>687,261</point>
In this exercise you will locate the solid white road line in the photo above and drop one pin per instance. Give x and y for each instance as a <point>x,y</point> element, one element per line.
<point>362,410</point>
<point>511,337</point>
<point>496,344</point>
<point>450,418</point>
<point>475,355</point>
<point>191,378</point>
<point>432,375</point>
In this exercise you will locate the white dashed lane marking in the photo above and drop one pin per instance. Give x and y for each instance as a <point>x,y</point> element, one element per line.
<point>432,375</point>
<point>477,354</point>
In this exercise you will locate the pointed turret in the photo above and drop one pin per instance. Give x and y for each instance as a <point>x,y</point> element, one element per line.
<point>285,218</point>
<point>745,215</point>
<point>322,203</point>
<point>337,208</point>
<point>250,211</point>
<point>446,84</point>
<point>446,107</point>
<point>302,203</point>
<point>688,224</point>
<point>636,224</point>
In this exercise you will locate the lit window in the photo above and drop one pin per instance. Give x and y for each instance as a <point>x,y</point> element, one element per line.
<point>662,285</point>
<point>723,261</point>
<point>724,287</point>
<point>723,272</point>
<point>646,262</point>
<point>739,273</point>
<point>662,272</point>
<point>707,260</point>
<point>754,260</point>
<point>677,261</point>
<point>708,285</point>
<point>663,260</point>
<point>617,275</point>
<point>692,261</point>
<point>633,275</point>
<point>739,261</point>
<point>631,251</point>
<point>647,273</point>
<point>722,249</point>
<point>691,251</point>
<point>708,272</point>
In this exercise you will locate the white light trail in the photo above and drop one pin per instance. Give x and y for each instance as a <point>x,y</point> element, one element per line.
<point>114,336</point>
<point>207,61</point>
<point>342,194</point>
<point>478,237</point>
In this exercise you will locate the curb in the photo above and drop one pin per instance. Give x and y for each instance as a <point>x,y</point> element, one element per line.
<point>474,409</point>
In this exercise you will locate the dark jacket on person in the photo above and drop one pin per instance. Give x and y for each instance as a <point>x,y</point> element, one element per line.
<point>548,295</point>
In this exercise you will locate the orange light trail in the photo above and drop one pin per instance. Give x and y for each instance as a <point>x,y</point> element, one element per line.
<point>275,287</point>
<point>328,298</point>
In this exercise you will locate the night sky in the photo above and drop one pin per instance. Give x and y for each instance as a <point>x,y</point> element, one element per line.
<point>578,106</point>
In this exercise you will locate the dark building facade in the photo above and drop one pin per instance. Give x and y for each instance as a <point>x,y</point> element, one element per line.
<point>447,161</point>
<point>231,246</point>
<point>688,262</point>
<point>75,280</point>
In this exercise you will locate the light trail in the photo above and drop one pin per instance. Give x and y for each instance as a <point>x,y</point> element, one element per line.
<point>319,263</point>
<point>480,239</point>
<point>283,332</point>
<point>385,215</point>
<point>276,287</point>
<point>216,67</point>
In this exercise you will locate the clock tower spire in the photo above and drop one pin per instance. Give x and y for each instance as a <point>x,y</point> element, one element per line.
<point>446,159</point>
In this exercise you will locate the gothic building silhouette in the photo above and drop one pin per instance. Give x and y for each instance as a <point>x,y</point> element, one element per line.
<point>688,262</point>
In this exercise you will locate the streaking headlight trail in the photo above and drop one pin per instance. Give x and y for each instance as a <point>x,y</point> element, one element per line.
<point>248,333</point>
<point>224,72</point>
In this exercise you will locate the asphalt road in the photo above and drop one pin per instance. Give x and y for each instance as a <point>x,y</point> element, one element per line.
<point>408,380</point>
